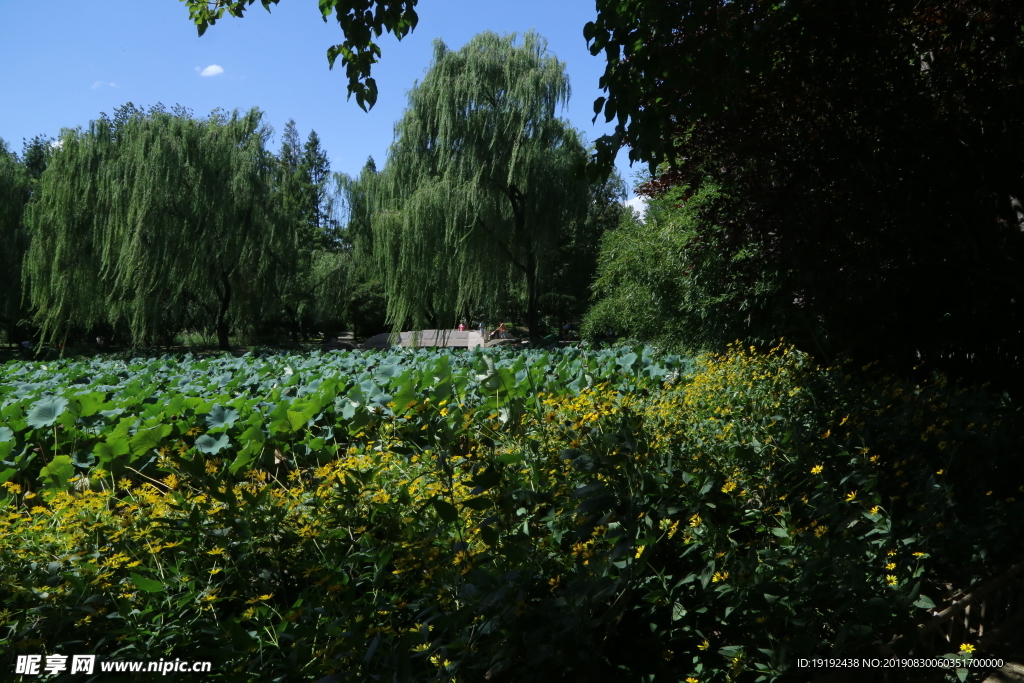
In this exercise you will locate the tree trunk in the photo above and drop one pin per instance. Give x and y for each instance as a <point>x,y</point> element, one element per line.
<point>222,314</point>
<point>532,317</point>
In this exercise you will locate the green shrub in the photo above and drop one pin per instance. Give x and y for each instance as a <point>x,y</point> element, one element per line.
<point>745,512</point>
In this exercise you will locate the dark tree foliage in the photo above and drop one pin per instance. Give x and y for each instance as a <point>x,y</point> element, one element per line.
<point>364,302</point>
<point>302,189</point>
<point>15,190</point>
<point>869,153</point>
<point>566,285</point>
<point>36,154</point>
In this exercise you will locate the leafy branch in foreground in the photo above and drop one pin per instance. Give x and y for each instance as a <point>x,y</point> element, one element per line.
<point>361,21</point>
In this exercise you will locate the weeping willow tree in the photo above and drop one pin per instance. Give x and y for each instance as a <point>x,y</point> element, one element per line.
<point>479,182</point>
<point>154,220</point>
<point>14,193</point>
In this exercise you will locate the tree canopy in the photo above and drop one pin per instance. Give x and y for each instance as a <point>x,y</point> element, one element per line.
<point>867,156</point>
<point>361,22</point>
<point>479,182</point>
<point>153,220</point>
<point>14,194</point>
<point>307,287</point>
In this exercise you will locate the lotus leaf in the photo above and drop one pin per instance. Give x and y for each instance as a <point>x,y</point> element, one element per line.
<point>57,472</point>
<point>221,417</point>
<point>211,446</point>
<point>46,411</point>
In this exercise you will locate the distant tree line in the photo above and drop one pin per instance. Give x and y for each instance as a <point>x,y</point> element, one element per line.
<point>848,176</point>
<point>151,222</point>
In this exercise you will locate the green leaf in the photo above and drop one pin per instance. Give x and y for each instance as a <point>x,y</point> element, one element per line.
<point>207,444</point>
<point>148,439</point>
<point>148,585</point>
<point>112,448</point>
<point>406,394</point>
<point>446,511</point>
<point>243,458</point>
<point>57,472</point>
<point>489,535</point>
<point>221,417</point>
<point>300,413</point>
<point>730,651</point>
<point>511,458</point>
<point>90,404</point>
<point>479,503</point>
<point>487,479</point>
<point>46,411</point>
<point>924,602</point>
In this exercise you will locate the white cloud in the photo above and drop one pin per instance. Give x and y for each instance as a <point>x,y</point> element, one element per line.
<point>101,84</point>
<point>212,70</point>
<point>638,204</point>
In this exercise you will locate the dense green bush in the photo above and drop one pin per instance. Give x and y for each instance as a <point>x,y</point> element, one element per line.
<point>748,510</point>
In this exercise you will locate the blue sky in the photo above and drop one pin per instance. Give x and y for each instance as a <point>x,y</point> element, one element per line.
<point>66,63</point>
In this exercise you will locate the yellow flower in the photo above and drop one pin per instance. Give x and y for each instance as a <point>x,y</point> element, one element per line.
<point>966,648</point>
<point>720,576</point>
<point>728,486</point>
<point>891,565</point>
<point>817,469</point>
<point>874,510</point>
<point>639,551</point>
<point>691,679</point>
<point>892,580</point>
<point>703,646</point>
<point>850,496</point>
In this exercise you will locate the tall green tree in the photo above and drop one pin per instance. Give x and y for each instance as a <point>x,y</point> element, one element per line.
<point>153,220</point>
<point>303,190</point>
<point>867,155</point>
<point>317,172</point>
<point>567,282</point>
<point>479,182</point>
<point>361,22</point>
<point>36,154</point>
<point>365,304</point>
<point>15,191</point>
